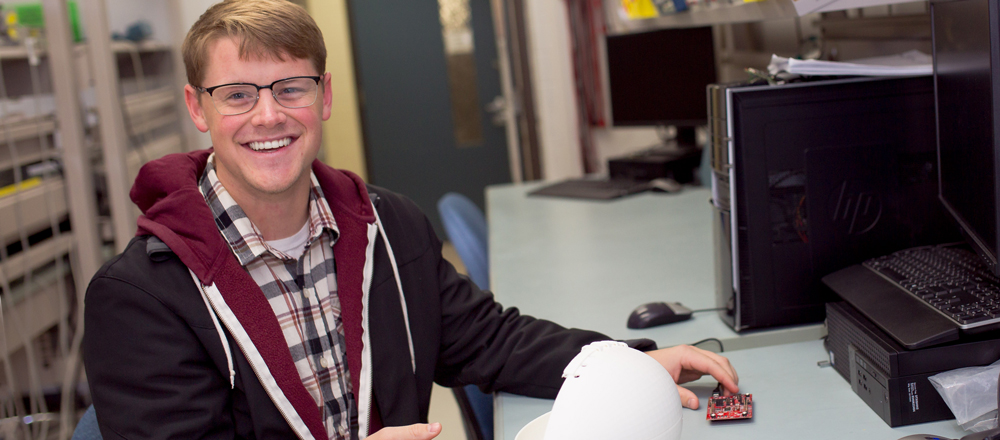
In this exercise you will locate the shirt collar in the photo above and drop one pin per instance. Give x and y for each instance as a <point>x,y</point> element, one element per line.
<point>242,235</point>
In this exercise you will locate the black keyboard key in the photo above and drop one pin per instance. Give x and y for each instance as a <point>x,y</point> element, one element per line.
<point>892,274</point>
<point>975,319</point>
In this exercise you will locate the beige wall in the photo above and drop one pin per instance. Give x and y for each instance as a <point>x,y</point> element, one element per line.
<point>342,144</point>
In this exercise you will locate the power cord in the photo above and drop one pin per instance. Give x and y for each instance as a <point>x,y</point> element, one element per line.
<point>716,340</point>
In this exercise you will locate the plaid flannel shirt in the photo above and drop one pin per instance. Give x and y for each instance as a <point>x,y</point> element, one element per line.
<point>303,295</point>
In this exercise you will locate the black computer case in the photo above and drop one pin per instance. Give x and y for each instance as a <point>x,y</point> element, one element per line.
<point>894,381</point>
<point>813,177</point>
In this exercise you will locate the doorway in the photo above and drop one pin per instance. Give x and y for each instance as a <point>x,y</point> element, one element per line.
<point>427,71</point>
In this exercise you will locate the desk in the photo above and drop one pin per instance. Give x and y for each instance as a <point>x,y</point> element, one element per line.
<point>587,264</point>
<point>793,399</point>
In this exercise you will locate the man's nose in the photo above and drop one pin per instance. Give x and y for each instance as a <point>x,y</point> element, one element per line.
<point>268,112</point>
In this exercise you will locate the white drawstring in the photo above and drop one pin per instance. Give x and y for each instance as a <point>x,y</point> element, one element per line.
<point>218,326</point>
<point>399,285</point>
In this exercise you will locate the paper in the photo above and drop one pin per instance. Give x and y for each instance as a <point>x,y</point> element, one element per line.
<point>912,63</point>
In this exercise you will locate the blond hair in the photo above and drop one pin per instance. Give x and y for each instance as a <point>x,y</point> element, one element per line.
<point>265,29</point>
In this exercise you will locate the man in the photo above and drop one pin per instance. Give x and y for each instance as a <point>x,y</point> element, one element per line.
<point>267,295</point>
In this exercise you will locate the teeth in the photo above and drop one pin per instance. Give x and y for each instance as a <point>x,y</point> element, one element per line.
<point>270,145</point>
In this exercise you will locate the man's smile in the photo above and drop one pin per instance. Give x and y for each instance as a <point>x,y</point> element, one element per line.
<point>269,145</point>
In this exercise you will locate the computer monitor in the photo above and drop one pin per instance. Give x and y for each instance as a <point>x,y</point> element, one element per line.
<point>658,78</point>
<point>967,94</point>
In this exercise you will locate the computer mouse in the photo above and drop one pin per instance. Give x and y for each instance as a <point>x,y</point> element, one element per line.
<point>658,313</point>
<point>664,184</point>
<point>924,437</point>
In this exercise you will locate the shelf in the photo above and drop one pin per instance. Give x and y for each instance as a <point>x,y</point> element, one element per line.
<point>118,47</point>
<point>764,10</point>
<point>141,126</point>
<point>150,101</point>
<point>33,207</point>
<point>125,46</point>
<point>37,310</point>
<point>24,130</point>
<point>36,256</point>
<point>151,151</point>
<point>736,13</point>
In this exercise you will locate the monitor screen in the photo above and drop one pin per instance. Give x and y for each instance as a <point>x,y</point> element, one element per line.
<point>659,77</point>
<point>966,90</point>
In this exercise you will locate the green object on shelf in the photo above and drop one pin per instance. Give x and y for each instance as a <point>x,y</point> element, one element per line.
<point>32,15</point>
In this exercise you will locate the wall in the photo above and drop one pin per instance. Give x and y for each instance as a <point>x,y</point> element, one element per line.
<point>342,141</point>
<point>552,78</point>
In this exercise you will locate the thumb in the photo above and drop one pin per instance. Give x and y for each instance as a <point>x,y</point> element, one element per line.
<point>688,398</point>
<point>423,432</point>
<point>411,432</point>
<point>428,431</point>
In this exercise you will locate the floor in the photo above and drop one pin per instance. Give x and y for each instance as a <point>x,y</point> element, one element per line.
<point>444,409</point>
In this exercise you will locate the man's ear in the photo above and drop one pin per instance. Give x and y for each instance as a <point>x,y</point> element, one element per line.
<point>327,96</point>
<point>194,107</point>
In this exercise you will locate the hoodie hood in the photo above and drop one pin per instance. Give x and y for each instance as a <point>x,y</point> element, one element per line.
<point>174,210</point>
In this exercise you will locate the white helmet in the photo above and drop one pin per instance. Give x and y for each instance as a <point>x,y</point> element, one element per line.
<point>611,391</point>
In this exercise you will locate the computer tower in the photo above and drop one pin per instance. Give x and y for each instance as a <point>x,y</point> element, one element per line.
<point>890,379</point>
<point>812,177</point>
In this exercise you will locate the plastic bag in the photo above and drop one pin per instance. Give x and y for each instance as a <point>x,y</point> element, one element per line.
<point>971,394</point>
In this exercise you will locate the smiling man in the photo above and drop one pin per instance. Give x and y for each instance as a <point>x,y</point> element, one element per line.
<point>267,295</point>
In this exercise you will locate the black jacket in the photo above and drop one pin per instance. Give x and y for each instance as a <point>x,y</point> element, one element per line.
<point>155,352</point>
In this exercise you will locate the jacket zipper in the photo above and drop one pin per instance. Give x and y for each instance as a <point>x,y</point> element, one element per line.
<point>243,350</point>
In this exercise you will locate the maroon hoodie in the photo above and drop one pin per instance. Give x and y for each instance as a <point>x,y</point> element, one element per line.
<point>175,211</point>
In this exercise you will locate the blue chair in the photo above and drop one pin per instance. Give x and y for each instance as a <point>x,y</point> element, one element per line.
<point>87,428</point>
<point>465,225</point>
<point>466,228</point>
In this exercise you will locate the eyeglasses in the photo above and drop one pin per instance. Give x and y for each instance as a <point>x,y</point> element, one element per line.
<point>239,98</point>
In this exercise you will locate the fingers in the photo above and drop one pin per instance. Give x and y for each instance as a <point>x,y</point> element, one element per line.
<point>711,363</point>
<point>688,398</point>
<point>686,363</point>
<point>412,432</point>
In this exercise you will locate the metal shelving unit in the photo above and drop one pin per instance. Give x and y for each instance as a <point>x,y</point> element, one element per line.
<point>97,113</point>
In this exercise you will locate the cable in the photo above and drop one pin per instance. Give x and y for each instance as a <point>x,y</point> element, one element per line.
<point>716,340</point>
<point>708,310</point>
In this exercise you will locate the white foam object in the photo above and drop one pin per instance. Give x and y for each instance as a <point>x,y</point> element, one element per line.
<point>612,391</point>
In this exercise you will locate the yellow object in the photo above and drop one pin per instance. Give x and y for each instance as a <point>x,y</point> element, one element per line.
<point>12,25</point>
<point>640,9</point>
<point>24,185</point>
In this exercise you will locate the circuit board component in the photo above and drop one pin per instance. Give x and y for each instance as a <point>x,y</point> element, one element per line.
<point>735,407</point>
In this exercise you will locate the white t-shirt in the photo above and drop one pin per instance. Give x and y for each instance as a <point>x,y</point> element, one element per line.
<point>292,246</point>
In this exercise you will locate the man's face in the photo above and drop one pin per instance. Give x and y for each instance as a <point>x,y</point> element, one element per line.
<point>266,153</point>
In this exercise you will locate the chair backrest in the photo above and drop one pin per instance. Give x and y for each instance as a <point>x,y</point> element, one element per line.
<point>477,412</point>
<point>465,225</point>
<point>87,428</point>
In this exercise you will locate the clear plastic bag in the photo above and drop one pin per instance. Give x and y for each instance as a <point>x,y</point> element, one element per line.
<point>971,394</point>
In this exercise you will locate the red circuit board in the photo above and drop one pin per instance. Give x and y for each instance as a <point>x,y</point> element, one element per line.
<point>735,407</point>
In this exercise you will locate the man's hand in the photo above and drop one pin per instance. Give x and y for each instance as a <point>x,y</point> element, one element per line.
<point>418,431</point>
<point>686,363</point>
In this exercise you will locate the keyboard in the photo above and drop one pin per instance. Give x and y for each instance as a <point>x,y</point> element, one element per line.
<point>953,281</point>
<point>923,296</point>
<point>598,189</point>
